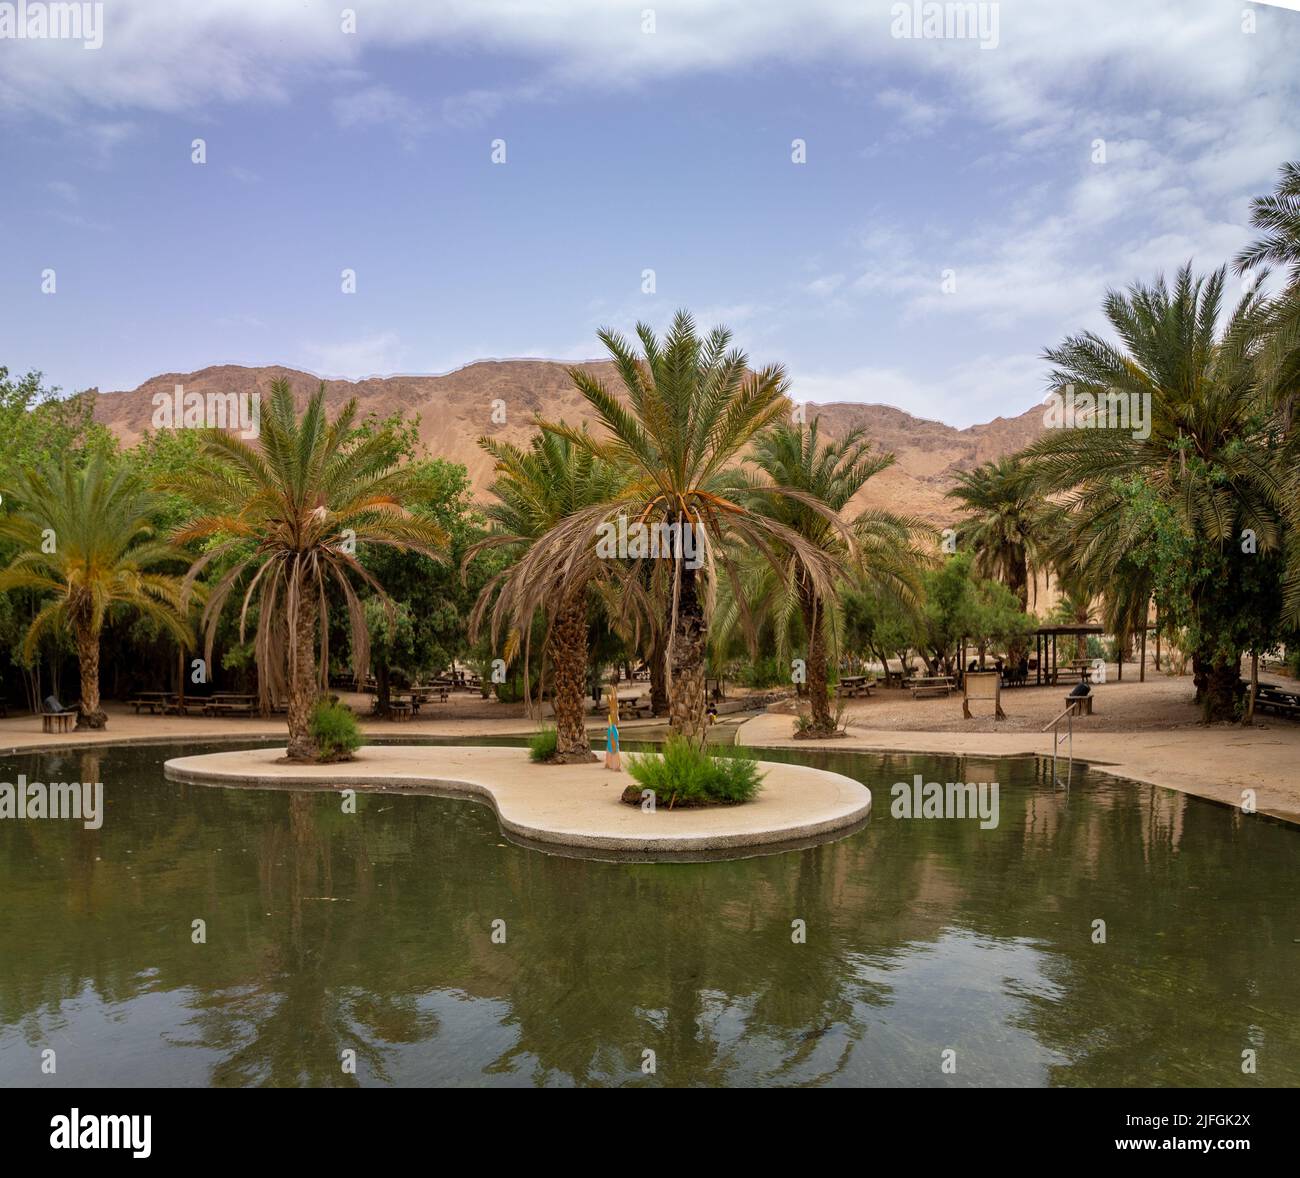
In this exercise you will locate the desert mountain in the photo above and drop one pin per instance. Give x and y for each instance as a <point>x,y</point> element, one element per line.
<point>456,409</point>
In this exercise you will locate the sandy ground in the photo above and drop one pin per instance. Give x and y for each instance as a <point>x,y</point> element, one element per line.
<point>464,714</point>
<point>1146,731</point>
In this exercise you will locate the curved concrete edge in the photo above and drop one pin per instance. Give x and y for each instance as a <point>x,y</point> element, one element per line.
<point>582,819</point>
<point>1124,756</point>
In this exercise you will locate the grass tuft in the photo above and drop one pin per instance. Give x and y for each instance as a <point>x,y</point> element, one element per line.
<point>683,772</point>
<point>542,744</point>
<point>335,730</point>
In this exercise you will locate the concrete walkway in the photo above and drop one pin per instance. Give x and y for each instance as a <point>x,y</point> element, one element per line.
<point>1217,762</point>
<point>573,809</point>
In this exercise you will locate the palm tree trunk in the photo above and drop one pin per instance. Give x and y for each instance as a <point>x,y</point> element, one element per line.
<point>89,713</point>
<point>1020,581</point>
<point>658,674</point>
<point>818,691</point>
<point>686,698</point>
<point>567,651</point>
<point>303,682</point>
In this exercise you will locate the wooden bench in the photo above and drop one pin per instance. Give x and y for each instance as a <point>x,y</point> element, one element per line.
<point>930,685</point>
<point>850,686</point>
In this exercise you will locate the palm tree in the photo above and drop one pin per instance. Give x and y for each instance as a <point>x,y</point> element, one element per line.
<point>289,511</point>
<point>1001,525</point>
<point>1203,475</point>
<point>536,489</point>
<point>876,548</point>
<point>692,405</point>
<point>86,538</point>
<point>1278,215</point>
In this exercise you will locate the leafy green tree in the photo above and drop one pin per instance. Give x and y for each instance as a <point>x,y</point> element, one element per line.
<point>949,612</point>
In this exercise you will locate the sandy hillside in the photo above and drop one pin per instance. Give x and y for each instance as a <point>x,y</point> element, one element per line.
<point>457,408</point>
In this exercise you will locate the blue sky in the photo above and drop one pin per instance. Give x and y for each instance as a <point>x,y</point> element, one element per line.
<point>626,150</point>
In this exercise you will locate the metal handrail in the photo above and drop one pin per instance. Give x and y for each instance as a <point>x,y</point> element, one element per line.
<point>1053,723</point>
<point>1067,715</point>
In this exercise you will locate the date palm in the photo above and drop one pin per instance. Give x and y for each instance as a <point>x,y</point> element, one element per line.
<point>87,544</point>
<point>876,549</point>
<point>288,511</point>
<point>689,407</point>
<point>1278,217</point>
<point>1001,521</point>
<point>536,489</point>
<point>1207,465</point>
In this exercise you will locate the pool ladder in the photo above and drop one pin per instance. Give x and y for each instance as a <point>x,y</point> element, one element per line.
<point>1066,738</point>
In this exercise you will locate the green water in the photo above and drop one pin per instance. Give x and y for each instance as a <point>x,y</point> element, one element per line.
<point>372,933</point>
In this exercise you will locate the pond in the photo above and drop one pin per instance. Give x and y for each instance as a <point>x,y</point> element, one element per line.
<point>923,941</point>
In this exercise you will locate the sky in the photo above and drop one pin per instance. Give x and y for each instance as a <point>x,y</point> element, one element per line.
<point>962,203</point>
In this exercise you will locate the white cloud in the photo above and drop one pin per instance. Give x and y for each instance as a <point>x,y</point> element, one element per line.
<point>159,55</point>
<point>964,394</point>
<point>378,354</point>
<point>377,105</point>
<point>913,113</point>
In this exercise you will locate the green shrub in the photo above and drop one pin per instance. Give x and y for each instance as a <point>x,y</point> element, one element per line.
<point>541,745</point>
<point>685,773</point>
<point>512,691</point>
<point>335,731</point>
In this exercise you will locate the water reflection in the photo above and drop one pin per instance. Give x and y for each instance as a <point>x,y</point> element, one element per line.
<point>329,933</point>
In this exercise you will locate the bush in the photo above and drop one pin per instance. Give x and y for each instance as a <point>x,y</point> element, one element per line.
<point>684,773</point>
<point>335,731</point>
<point>512,691</point>
<point>541,745</point>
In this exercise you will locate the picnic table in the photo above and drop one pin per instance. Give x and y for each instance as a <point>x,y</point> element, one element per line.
<point>629,703</point>
<point>230,703</point>
<point>853,685</point>
<point>930,685</point>
<point>899,678</point>
<point>1080,667</point>
<point>1273,698</point>
<point>162,700</point>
